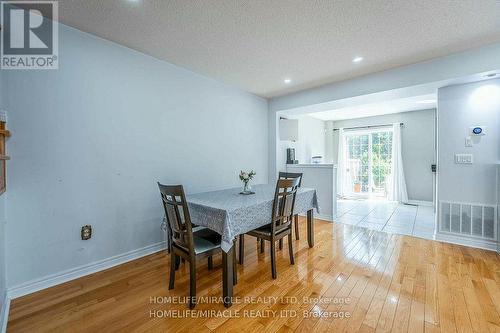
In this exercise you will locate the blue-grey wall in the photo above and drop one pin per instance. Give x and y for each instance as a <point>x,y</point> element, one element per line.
<point>3,274</point>
<point>91,139</point>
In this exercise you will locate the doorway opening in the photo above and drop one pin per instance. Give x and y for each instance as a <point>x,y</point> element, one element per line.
<point>367,163</point>
<point>378,163</point>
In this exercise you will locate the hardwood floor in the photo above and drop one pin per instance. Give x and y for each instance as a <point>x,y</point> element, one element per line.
<point>353,280</point>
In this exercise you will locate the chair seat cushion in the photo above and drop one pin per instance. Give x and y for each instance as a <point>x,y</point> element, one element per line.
<point>264,231</point>
<point>206,240</point>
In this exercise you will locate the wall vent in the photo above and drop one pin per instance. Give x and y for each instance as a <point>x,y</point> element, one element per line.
<point>468,219</point>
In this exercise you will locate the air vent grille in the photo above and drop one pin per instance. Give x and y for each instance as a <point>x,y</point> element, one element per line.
<point>468,219</point>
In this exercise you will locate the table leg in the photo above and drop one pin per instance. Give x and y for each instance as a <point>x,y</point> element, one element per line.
<point>227,276</point>
<point>310,228</point>
<point>242,249</point>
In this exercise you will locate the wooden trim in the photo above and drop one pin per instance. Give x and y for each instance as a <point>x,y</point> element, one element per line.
<point>4,133</point>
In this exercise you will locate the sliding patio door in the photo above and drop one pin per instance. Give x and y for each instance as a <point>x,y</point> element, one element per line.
<point>367,162</point>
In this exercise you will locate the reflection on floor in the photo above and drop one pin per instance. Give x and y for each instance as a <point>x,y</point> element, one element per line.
<point>352,280</point>
<point>388,216</point>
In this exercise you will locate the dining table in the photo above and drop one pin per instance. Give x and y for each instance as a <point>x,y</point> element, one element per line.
<point>230,214</point>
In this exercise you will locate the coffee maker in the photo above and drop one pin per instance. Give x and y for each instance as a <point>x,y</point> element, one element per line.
<point>290,156</point>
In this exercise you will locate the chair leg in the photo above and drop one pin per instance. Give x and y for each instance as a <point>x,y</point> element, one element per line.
<point>261,245</point>
<point>169,240</point>
<point>210,263</point>
<point>242,249</point>
<point>290,249</point>
<point>296,217</point>
<point>273,258</point>
<point>192,283</point>
<point>280,244</point>
<point>173,261</point>
<point>177,262</point>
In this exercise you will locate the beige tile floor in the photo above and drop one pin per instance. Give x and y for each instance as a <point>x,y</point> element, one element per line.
<point>388,216</point>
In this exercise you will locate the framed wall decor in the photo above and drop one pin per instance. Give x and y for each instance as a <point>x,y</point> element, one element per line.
<point>4,134</point>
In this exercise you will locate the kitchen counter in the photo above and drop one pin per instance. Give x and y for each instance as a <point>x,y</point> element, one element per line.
<point>321,177</point>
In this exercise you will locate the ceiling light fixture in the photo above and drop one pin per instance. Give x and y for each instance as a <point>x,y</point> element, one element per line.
<point>287,81</point>
<point>357,59</point>
<point>427,101</point>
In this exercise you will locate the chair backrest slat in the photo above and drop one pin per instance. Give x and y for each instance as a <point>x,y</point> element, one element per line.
<point>177,214</point>
<point>290,175</point>
<point>284,202</point>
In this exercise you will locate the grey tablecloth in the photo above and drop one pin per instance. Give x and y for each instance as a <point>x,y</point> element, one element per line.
<point>231,214</point>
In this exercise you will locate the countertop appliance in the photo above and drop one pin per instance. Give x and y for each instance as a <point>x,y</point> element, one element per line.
<point>317,159</point>
<point>290,156</point>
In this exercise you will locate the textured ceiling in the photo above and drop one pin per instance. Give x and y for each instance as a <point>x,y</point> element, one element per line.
<point>255,44</point>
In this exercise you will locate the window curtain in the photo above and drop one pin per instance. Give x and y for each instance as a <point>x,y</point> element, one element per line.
<point>340,164</point>
<point>397,188</point>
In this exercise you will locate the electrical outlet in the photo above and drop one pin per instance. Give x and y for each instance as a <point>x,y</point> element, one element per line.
<point>3,116</point>
<point>464,159</point>
<point>86,232</point>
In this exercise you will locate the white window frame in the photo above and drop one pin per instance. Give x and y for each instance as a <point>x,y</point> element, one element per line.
<point>365,131</point>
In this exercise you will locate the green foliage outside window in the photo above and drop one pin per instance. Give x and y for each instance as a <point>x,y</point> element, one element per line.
<point>358,146</point>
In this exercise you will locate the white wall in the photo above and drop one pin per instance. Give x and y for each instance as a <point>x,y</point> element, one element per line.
<point>418,142</point>
<point>91,139</point>
<point>311,141</point>
<point>460,107</point>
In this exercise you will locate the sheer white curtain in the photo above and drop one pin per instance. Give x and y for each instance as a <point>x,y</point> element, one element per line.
<point>340,163</point>
<point>397,185</point>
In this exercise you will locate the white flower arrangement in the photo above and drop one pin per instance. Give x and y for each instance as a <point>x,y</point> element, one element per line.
<point>245,177</point>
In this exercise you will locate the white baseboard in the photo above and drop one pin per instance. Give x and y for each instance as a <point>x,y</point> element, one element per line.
<point>328,218</point>
<point>4,314</point>
<point>421,203</point>
<point>77,272</point>
<point>479,243</point>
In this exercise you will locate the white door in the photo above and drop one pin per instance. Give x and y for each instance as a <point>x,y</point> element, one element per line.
<point>367,162</point>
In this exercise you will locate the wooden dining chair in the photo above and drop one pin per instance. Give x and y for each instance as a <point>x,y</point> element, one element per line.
<point>286,175</point>
<point>291,175</point>
<point>186,243</point>
<point>281,221</point>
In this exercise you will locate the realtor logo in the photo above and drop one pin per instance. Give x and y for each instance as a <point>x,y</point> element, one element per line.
<point>29,35</point>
